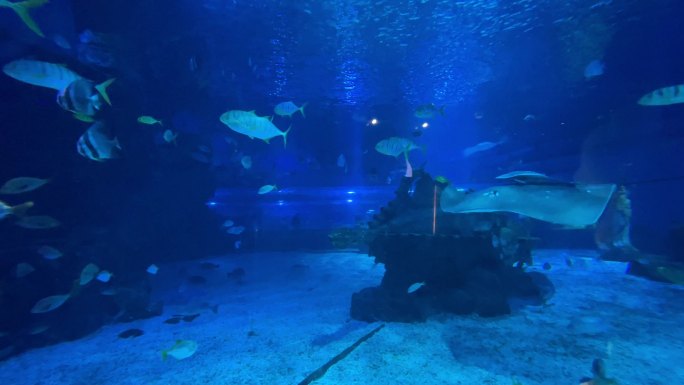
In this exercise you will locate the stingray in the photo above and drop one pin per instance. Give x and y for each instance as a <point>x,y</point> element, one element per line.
<point>574,206</point>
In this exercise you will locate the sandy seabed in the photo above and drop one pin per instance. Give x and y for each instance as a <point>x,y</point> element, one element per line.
<point>290,315</point>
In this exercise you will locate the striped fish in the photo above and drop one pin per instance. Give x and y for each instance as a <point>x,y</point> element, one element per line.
<point>96,144</point>
<point>40,73</point>
<point>664,96</point>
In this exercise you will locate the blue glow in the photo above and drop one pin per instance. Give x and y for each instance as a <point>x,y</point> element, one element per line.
<point>281,203</point>
<point>351,192</point>
<point>350,201</point>
<point>211,203</point>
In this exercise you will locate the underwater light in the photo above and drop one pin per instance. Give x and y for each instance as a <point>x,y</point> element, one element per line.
<point>351,192</point>
<point>211,203</point>
<point>374,122</point>
<point>281,203</point>
<point>350,201</point>
<point>425,125</point>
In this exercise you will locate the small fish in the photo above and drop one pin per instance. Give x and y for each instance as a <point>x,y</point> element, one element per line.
<point>228,223</point>
<point>49,303</point>
<point>152,269</point>
<point>88,273</point>
<point>146,119</point>
<point>265,189</point>
<point>181,350</point>
<point>49,252</point>
<point>131,333</point>
<point>173,320</point>
<point>22,9</point>
<point>414,287</point>
<point>594,69</point>
<point>663,96</point>
<point>182,317</point>
<point>104,276</point>
<point>170,137</point>
<point>288,109</point>
<point>96,144</point>
<point>236,274</point>
<point>209,266</point>
<point>246,162</point>
<point>235,230</point>
<point>483,146</point>
<point>530,117</point>
<point>37,222</point>
<point>428,111</point>
<point>22,184</point>
<point>61,42</point>
<point>395,146</point>
<point>109,291</point>
<point>237,244</point>
<point>342,162</point>
<point>18,210</point>
<point>38,329</point>
<point>23,269</point>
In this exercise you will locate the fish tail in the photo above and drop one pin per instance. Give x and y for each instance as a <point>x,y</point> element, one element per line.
<point>102,89</point>
<point>20,210</point>
<point>301,109</point>
<point>22,9</point>
<point>285,136</point>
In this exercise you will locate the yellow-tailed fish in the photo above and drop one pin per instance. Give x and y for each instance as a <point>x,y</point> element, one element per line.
<point>395,146</point>
<point>248,123</point>
<point>288,109</point>
<point>146,119</point>
<point>40,73</point>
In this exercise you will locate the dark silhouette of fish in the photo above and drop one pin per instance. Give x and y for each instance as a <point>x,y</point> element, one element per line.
<point>131,333</point>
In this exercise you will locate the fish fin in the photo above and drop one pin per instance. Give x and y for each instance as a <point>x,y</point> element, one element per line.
<point>301,109</point>
<point>22,9</point>
<point>102,89</point>
<point>116,143</point>
<point>270,118</point>
<point>83,117</point>
<point>266,140</point>
<point>285,136</point>
<point>20,210</point>
<point>165,354</point>
<point>160,122</point>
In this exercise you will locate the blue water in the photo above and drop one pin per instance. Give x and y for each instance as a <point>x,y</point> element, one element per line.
<point>534,85</point>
